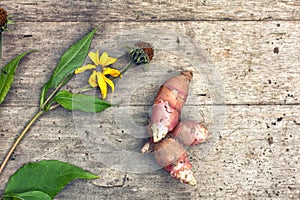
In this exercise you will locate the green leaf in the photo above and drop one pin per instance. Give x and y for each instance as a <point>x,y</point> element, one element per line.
<point>49,176</point>
<point>72,59</point>
<point>7,75</point>
<point>80,102</point>
<point>44,91</point>
<point>31,195</point>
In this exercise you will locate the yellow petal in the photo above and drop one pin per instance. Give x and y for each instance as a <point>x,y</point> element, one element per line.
<point>110,60</point>
<point>93,79</point>
<point>102,84</point>
<point>94,57</point>
<point>110,83</point>
<point>112,72</point>
<point>103,59</point>
<point>83,68</point>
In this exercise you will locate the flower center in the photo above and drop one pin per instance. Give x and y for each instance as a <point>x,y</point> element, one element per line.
<point>99,68</point>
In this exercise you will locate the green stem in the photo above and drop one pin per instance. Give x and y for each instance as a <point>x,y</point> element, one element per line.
<point>130,64</point>
<point>50,97</point>
<point>54,92</point>
<point>83,89</point>
<point>54,106</point>
<point>0,49</point>
<point>31,122</point>
<point>18,140</point>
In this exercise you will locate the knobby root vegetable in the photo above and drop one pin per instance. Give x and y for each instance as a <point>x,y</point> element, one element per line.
<point>166,110</point>
<point>187,132</point>
<point>190,132</point>
<point>168,135</point>
<point>170,155</point>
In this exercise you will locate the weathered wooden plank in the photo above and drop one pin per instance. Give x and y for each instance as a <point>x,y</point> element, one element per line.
<point>242,54</point>
<point>256,154</point>
<point>153,10</point>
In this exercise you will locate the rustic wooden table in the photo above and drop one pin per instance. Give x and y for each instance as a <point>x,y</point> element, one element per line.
<point>254,47</point>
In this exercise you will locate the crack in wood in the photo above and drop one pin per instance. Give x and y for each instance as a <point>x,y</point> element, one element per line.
<point>29,4</point>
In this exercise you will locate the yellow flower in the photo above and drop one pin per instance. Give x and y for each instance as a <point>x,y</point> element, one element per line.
<point>98,78</point>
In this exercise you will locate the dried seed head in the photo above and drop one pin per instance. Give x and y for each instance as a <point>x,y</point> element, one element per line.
<point>3,20</point>
<point>3,17</point>
<point>143,54</point>
<point>147,48</point>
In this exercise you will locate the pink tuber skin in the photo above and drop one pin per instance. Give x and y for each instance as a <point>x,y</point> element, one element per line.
<point>170,155</point>
<point>190,132</point>
<point>187,132</point>
<point>165,112</point>
<point>165,129</point>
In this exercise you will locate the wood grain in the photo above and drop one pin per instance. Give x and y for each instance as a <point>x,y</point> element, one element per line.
<point>152,10</point>
<point>242,162</point>
<point>251,73</point>
<point>254,48</point>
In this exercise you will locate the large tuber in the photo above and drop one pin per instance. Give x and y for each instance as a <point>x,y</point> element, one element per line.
<point>170,155</point>
<point>166,110</point>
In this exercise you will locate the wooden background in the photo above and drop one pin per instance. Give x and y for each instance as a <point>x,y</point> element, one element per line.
<point>254,45</point>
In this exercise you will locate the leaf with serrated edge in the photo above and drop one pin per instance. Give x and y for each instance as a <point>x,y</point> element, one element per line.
<point>80,102</point>
<point>72,59</point>
<point>7,75</point>
<point>49,176</point>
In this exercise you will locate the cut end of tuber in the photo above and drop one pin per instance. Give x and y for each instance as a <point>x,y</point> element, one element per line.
<point>181,170</point>
<point>201,134</point>
<point>186,176</point>
<point>170,155</point>
<point>148,147</point>
<point>159,132</point>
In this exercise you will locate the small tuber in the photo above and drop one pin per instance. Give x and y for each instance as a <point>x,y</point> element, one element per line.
<point>170,155</point>
<point>166,110</point>
<point>190,132</point>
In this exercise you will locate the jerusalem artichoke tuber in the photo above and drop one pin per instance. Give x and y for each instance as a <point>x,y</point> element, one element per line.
<point>168,135</point>
<point>165,112</point>
<point>190,132</point>
<point>170,155</point>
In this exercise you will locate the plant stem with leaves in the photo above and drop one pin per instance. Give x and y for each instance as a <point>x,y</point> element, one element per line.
<point>70,60</point>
